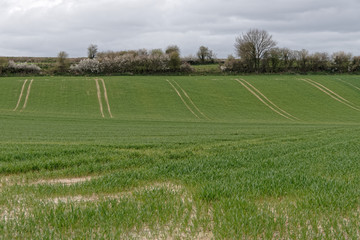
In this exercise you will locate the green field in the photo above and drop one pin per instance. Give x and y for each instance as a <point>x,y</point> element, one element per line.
<point>207,68</point>
<point>155,157</point>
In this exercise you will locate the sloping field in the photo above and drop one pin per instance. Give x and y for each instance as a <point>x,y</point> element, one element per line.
<point>322,99</point>
<point>162,157</point>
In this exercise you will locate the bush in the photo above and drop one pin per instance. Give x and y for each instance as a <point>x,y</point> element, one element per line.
<point>174,61</point>
<point>186,67</point>
<point>62,63</point>
<point>355,67</point>
<point>86,66</point>
<point>138,62</point>
<point>235,65</point>
<point>3,65</point>
<point>23,68</point>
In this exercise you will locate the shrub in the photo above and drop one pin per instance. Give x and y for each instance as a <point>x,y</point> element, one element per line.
<point>139,61</point>
<point>174,61</point>
<point>135,62</point>
<point>186,67</point>
<point>86,66</point>
<point>62,63</point>
<point>236,65</point>
<point>355,67</point>
<point>3,65</point>
<point>23,68</point>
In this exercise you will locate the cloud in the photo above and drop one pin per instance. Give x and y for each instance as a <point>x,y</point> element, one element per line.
<point>45,27</point>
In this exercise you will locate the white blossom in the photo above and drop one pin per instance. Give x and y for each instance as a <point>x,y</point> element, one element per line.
<point>23,67</point>
<point>86,66</point>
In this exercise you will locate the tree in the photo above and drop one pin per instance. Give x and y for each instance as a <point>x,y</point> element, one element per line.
<point>205,54</point>
<point>274,59</point>
<point>3,64</point>
<point>252,46</point>
<point>156,52</point>
<point>302,58</point>
<point>173,52</point>
<point>92,51</point>
<point>355,65</point>
<point>202,53</point>
<point>172,48</point>
<point>174,61</point>
<point>318,61</point>
<point>288,58</point>
<point>62,63</point>
<point>229,64</point>
<point>341,61</point>
<point>141,52</point>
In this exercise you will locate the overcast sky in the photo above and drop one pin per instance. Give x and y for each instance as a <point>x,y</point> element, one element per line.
<point>45,27</point>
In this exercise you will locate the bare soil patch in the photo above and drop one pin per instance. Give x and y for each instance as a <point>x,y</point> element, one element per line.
<point>169,186</point>
<point>64,181</point>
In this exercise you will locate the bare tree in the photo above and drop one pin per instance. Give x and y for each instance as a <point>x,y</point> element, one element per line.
<point>92,51</point>
<point>253,45</point>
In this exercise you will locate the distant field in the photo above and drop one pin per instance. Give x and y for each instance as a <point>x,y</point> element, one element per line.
<point>207,68</point>
<point>186,157</point>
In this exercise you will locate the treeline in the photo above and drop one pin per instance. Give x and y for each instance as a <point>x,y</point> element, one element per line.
<point>284,60</point>
<point>135,62</point>
<point>30,65</point>
<point>141,61</point>
<point>258,53</point>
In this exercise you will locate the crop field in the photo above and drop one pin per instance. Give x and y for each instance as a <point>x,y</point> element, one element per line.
<point>202,157</point>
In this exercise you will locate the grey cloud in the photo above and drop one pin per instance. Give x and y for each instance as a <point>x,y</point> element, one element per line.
<point>45,27</point>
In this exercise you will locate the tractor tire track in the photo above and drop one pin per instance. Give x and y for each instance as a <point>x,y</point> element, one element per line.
<point>329,94</point>
<point>21,94</point>
<point>337,95</point>
<point>182,99</point>
<point>265,103</point>
<point>348,84</point>
<point>99,97</point>
<point>186,95</point>
<point>27,95</point>
<point>106,97</point>
<point>276,106</point>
